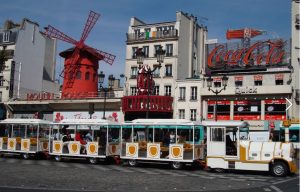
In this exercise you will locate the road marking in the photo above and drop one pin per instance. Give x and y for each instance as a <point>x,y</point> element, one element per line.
<point>283,181</point>
<point>276,188</point>
<point>255,179</point>
<point>236,179</point>
<point>267,189</point>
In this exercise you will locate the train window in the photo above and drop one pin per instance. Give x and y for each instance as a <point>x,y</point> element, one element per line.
<point>217,134</point>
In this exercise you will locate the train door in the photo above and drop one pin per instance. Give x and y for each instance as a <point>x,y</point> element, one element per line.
<point>216,141</point>
<point>231,142</point>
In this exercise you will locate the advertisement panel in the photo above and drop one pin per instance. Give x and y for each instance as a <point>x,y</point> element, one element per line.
<point>259,56</point>
<point>111,115</point>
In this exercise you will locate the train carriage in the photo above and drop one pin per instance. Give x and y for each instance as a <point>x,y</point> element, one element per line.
<point>228,147</point>
<point>26,137</point>
<point>93,139</point>
<point>174,141</point>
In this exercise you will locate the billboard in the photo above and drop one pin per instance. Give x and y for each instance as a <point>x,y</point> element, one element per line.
<point>259,56</point>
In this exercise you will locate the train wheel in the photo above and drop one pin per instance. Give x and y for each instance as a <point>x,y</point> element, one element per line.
<point>176,165</point>
<point>25,155</point>
<point>132,162</point>
<point>279,169</point>
<point>58,158</point>
<point>93,160</point>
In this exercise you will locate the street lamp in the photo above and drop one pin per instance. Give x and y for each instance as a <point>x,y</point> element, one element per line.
<point>216,91</point>
<point>111,80</point>
<point>140,55</point>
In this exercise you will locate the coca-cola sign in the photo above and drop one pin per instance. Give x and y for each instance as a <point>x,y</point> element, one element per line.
<point>259,55</point>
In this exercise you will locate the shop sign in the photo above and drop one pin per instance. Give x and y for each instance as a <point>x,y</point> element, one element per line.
<point>245,90</point>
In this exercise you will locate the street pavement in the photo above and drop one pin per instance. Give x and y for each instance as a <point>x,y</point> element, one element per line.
<point>77,175</point>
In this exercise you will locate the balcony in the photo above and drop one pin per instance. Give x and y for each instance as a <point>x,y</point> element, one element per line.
<point>152,36</point>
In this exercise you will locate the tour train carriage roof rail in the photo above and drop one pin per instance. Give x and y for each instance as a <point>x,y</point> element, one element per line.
<point>240,124</point>
<point>86,122</point>
<point>24,121</point>
<point>163,121</point>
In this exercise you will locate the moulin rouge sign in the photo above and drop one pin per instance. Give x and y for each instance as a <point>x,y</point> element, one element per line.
<point>261,53</point>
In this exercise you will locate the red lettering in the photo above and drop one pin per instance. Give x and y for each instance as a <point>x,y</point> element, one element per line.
<point>255,53</point>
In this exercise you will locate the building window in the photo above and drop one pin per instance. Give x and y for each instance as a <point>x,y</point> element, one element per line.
<point>181,114</point>
<point>193,93</point>
<point>258,80</point>
<point>168,71</point>
<point>134,49</point>
<point>87,76</point>
<point>137,33</point>
<point>156,72</point>
<point>6,36</point>
<point>169,50</point>
<point>171,27</point>
<point>168,90</point>
<point>193,114</point>
<point>217,84</point>
<point>78,75</point>
<point>239,83</point>
<point>0,96</point>
<point>219,108</point>
<point>275,109</point>
<point>133,90</point>
<point>258,83</point>
<point>217,81</point>
<point>146,51</point>
<point>279,82</point>
<point>133,72</point>
<point>181,94</point>
<point>156,90</point>
<point>158,28</point>
<point>156,47</point>
<point>279,79</point>
<point>247,110</point>
<point>1,80</point>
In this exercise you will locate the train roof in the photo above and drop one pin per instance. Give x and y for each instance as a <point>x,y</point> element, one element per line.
<point>240,124</point>
<point>163,122</point>
<point>24,121</point>
<point>86,122</point>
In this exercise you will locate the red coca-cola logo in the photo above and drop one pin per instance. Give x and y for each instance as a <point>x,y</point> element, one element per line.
<point>254,55</point>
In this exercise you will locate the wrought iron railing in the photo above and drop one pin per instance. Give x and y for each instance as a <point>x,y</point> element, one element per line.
<point>152,35</point>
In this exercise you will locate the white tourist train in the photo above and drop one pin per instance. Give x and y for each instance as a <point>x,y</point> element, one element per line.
<point>218,145</point>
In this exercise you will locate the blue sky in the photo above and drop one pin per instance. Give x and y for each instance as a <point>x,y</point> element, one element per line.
<point>109,34</point>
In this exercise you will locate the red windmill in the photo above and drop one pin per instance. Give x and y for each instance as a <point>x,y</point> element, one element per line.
<point>81,62</point>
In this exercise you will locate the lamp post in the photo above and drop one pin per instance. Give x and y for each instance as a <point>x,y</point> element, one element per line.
<point>140,56</point>
<point>216,91</point>
<point>111,80</point>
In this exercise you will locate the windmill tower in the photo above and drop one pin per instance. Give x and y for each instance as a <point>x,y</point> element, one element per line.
<point>80,77</point>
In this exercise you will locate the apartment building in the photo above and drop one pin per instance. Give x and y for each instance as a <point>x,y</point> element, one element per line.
<point>27,62</point>
<point>183,40</point>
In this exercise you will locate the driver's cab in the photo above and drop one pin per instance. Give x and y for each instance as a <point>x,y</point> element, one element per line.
<point>223,138</point>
